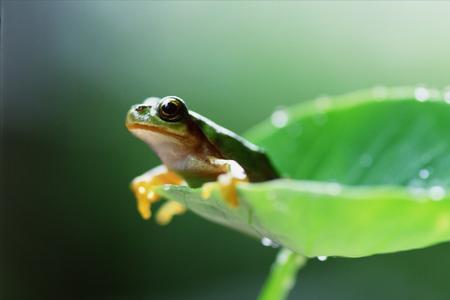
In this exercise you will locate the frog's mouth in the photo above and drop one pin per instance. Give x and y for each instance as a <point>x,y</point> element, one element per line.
<point>139,126</point>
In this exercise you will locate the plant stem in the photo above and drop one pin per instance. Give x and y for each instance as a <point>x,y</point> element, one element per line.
<point>282,275</point>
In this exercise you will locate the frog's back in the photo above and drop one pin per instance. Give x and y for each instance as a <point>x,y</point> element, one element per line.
<point>252,158</point>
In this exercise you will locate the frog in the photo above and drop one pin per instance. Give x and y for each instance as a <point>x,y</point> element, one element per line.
<point>194,151</point>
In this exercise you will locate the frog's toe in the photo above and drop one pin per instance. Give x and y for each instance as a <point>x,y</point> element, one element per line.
<point>207,189</point>
<point>168,210</point>
<point>145,196</point>
<point>144,208</point>
<point>228,184</point>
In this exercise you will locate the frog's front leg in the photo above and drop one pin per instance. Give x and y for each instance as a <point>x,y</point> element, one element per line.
<point>233,174</point>
<point>143,188</point>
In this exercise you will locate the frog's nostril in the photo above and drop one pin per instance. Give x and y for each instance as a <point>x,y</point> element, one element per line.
<point>141,108</point>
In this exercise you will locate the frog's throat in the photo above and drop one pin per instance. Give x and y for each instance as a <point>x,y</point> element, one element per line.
<point>161,130</point>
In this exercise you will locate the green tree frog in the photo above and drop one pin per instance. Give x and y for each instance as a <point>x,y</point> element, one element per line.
<point>194,151</point>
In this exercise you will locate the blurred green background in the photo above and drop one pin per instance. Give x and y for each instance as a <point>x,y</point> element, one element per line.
<point>72,69</point>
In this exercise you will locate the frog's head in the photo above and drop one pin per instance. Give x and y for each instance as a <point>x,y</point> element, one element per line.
<point>164,124</point>
<point>167,116</point>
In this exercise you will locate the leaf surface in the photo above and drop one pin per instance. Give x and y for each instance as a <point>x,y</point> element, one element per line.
<point>363,173</point>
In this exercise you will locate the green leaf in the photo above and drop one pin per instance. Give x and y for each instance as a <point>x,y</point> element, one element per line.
<point>363,173</point>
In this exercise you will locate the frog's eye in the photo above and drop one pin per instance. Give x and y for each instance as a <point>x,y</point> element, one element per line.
<point>172,109</point>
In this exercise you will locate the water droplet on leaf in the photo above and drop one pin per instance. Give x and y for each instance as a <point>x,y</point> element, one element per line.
<point>437,192</point>
<point>447,95</point>
<point>279,118</point>
<point>266,242</point>
<point>424,173</point>
<point>422,94</point>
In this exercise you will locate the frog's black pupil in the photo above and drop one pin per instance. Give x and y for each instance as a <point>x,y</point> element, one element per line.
<point>170,108</point>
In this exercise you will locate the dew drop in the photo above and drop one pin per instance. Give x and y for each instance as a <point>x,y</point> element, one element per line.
<point>366,160</point>
<point>447,95</point>
<point>424,174</point>
<point>141,190</point>
<point>437,192</point>
<point>269,243</point>
<point>422,94</point>
<point>279,118</point>
<point>266,242</point>
<point>322,258</point>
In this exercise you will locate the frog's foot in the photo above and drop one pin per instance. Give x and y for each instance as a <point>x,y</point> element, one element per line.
<point>144,186</point>
<point>227,182</point>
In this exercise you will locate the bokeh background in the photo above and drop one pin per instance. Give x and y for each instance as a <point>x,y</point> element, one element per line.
<point>72,69</point>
